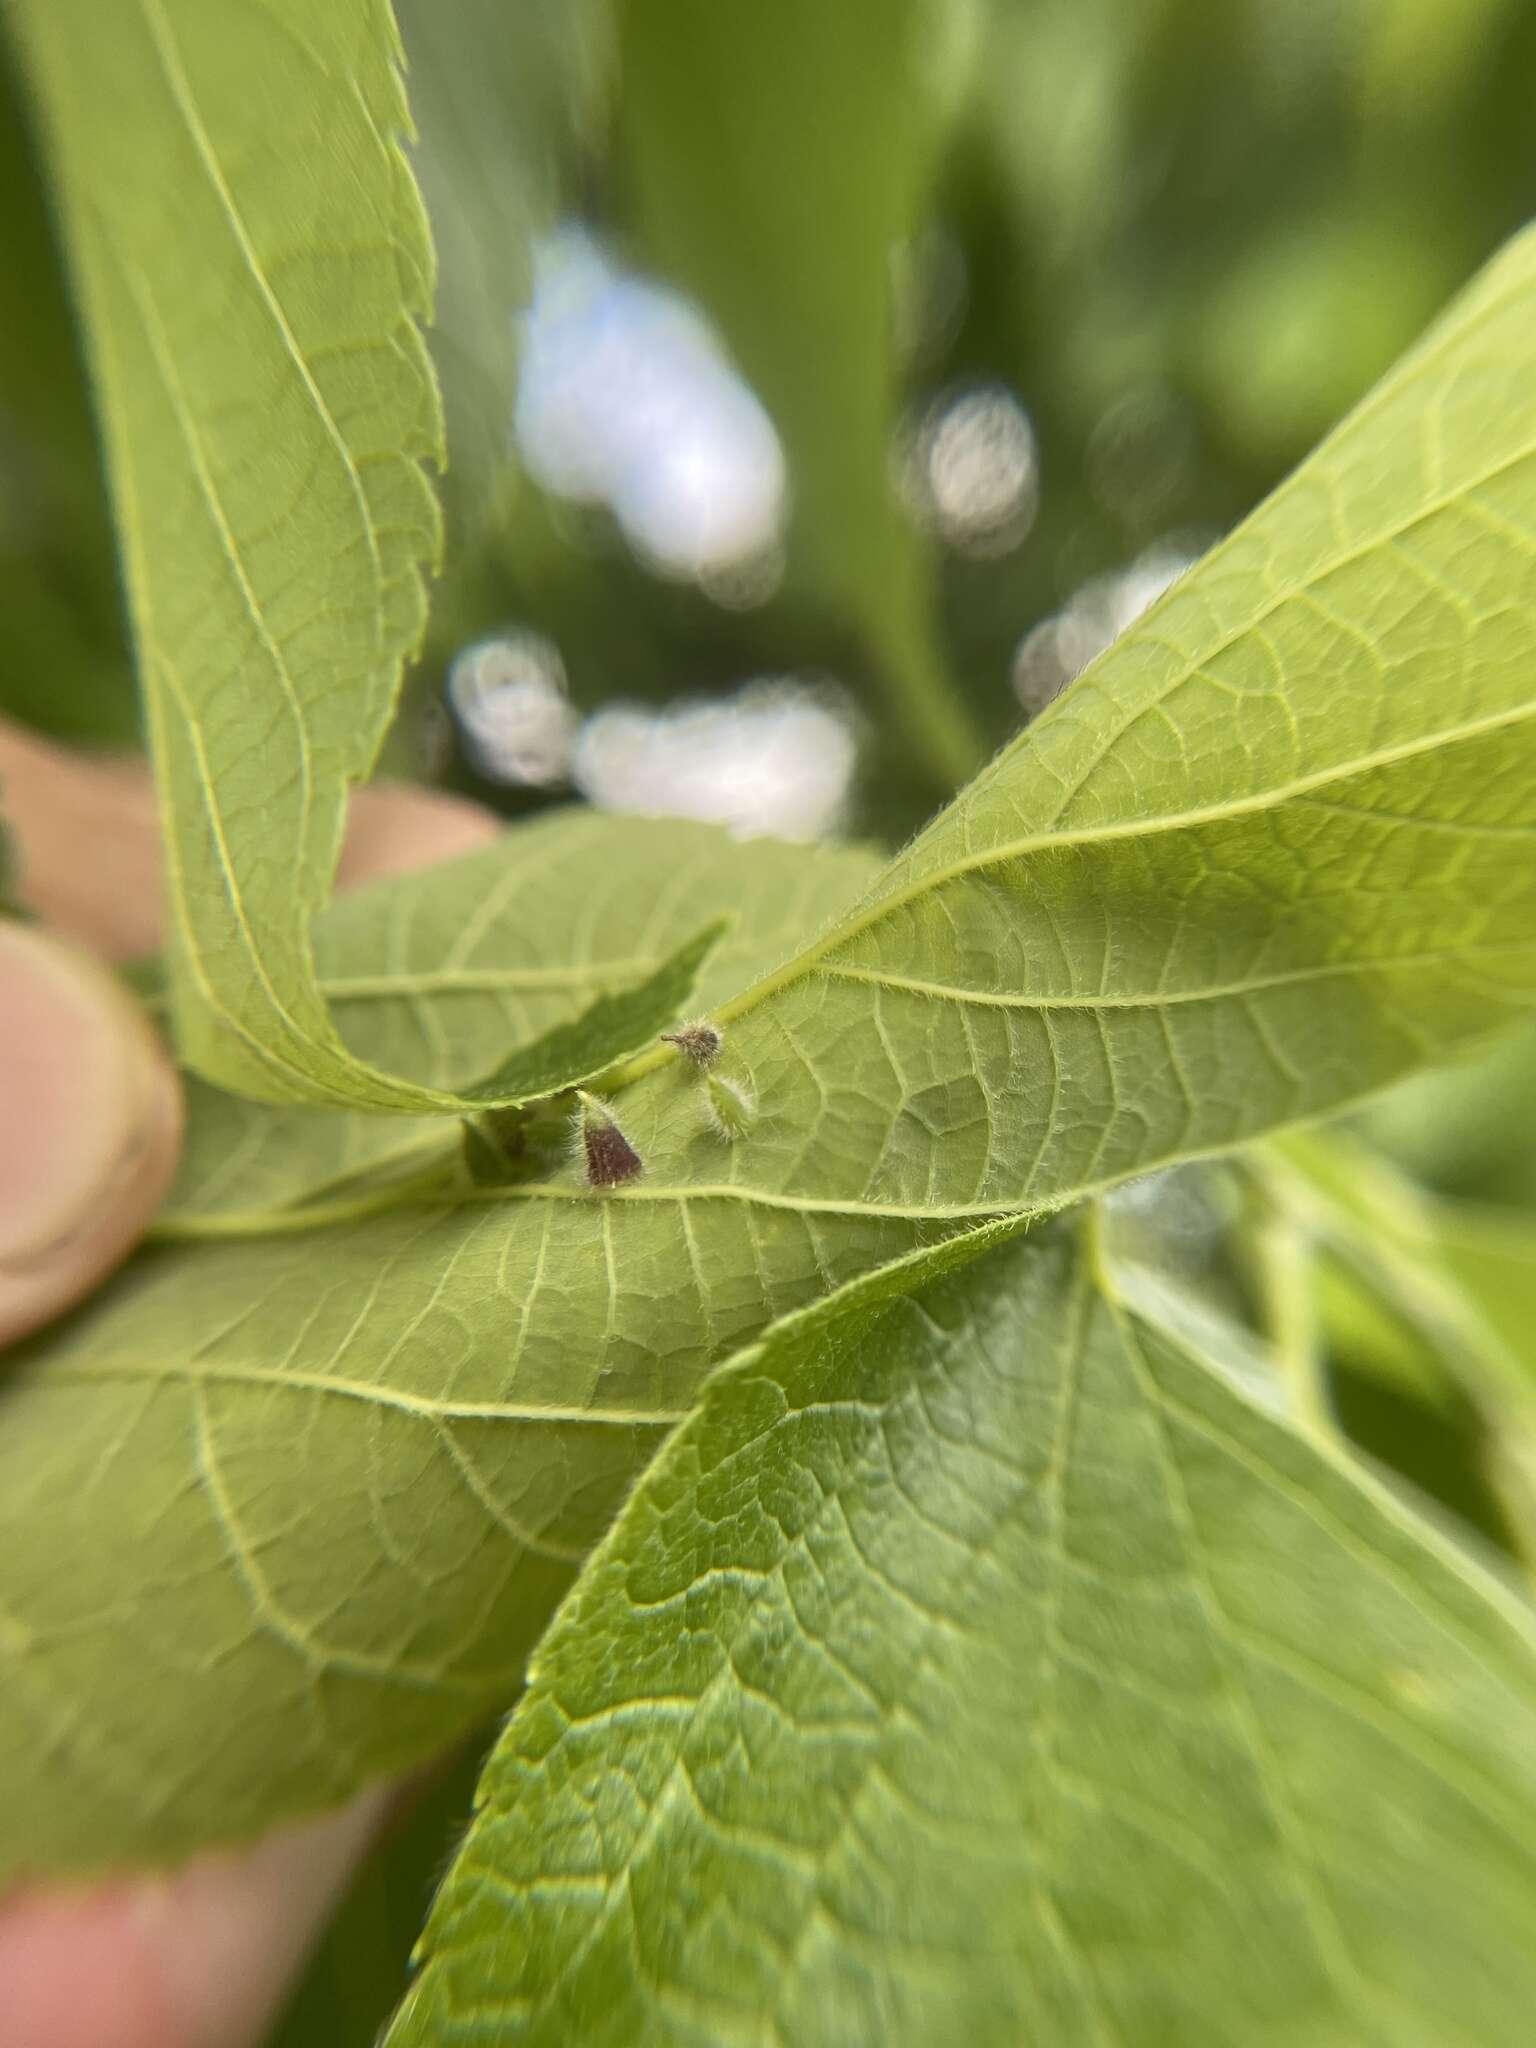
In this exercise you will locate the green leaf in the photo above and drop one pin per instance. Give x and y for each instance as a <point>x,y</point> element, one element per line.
<point>1493,1253</point>
<point>1459,1282</point>
<point>434,975</point>
<point>63,653</point>
<point>335,1479</point>
<point>985,1665</point>
<point>610,1027</point>
<point>779,157</point>
<point>252,294</point>
<point>1270,852</point>
<point>1491,1257</point>
<point>1394,1400</point>
<point>1469,1129</point>
<point>333,1483</point>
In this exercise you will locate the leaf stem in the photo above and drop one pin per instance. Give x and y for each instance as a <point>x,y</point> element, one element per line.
<point>1287,1282</point>
<point>1388,1238</point>
<point>944,738</point>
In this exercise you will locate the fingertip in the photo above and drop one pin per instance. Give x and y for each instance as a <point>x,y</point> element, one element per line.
<point>74,1974</point>
<point>226,1935</point>
<point>200,1958</point>
<point>90,1126</point>
<point>87,838</point>
<point>393,829</point>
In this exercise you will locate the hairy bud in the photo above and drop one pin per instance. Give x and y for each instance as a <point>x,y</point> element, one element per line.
<point>698,1041</point>
<point>730,1104</point>
<point>607,1155</point>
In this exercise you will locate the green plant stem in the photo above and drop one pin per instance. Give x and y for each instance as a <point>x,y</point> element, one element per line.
<point>944,738</point>
<point>1283,1248</point>
<point>1389,1238</point>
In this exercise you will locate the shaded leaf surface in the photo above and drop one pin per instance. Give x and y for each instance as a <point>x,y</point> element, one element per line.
<point>330,1486</point>
<point>1493,1253</point>
<point>1457,1279</point>
<point>1468,1129</point>
<point>982,1666</point>
<point>333,1484</point>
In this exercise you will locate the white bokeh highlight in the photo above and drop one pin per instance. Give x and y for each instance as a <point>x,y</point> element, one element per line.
<point>626,399</point>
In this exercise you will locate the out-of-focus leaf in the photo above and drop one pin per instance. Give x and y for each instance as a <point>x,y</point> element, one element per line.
<point>984,1665</point>
<point>779,156</point>
<point>1395,1400</point>
<point>501,98</point>
<point>1493,1254</point>
<point>1396,1368</point>
<point>1295,330</point>
<point>1469,1128</point>
<point>1369,1335</point>
<point>1451,1275</point>
<point>63,655</point>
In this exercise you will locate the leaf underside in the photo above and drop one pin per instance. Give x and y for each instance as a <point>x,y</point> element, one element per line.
<point>1270,852</point>
<point>327,1542</point>
<point>982,1665</point>
<point>253,293</point>
<point>434,974</point>
<point>609,1029</point>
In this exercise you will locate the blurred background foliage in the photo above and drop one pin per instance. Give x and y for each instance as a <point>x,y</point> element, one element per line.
<point>825,385</point>
<point>877,361</point>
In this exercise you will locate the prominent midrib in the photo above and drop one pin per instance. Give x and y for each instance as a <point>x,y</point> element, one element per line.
<point>297,1219</point>
<point>160,674</point>
<point>308,1210</point>
<point>883,907</point>
<point>1306,585</point>
<point>321,1070</point>
<point>1220,992</point>
<point>420,1407</point>
<point>1005,1208</point>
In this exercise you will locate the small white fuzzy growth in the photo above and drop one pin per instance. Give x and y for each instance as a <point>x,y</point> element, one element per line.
<point>730,1106</point>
